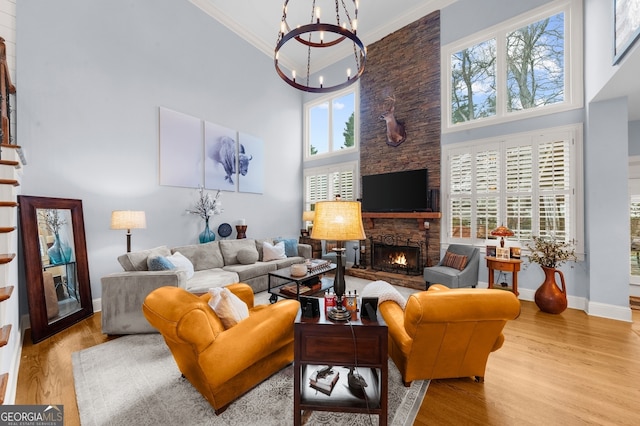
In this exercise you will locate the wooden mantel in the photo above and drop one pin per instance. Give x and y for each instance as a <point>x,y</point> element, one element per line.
<point>419,216</point>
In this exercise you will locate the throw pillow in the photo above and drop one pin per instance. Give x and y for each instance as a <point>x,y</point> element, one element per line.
<point>384,292</point>
<point>182,262</point>
<point>290,246</point>
<point>159,263</point>
<point>227,306</point>
<point>273,252</point>
<point>247,256</point>
<point>452,260</point>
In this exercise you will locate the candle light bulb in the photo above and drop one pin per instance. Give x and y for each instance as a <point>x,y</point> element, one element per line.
<point>293,73</point>
<point>318,14</point>
<point>348,72</point>
<point>354,24</point>
<point>321,80</point>
<point>321,36</point>
<point>283,27</point>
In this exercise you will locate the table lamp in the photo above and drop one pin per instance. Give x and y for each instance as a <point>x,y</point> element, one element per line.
<point>339,221</point>
<point>502,231</point>
<point>128,219</point>
<point>308,216</point>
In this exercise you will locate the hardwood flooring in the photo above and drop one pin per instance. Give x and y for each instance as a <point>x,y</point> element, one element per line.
<point>567,369</point>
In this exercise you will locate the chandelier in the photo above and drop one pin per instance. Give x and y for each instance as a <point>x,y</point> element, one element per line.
<point>315,38</point>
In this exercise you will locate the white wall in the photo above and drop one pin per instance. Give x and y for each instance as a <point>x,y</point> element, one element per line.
<point>91,76</point>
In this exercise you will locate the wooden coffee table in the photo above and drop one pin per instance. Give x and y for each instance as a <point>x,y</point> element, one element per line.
<point>320,342</point>
<point>283,277</point>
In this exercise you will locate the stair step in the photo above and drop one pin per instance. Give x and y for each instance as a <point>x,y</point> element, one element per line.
<point>12,182</point>
<point>9,163</point>
<point>5,293</point>
<point>6,258</point>
<point>4,380</point>
<point>7,229</point>
<point>10,145</point>
<point>8,204</point>
<point>4,335</point>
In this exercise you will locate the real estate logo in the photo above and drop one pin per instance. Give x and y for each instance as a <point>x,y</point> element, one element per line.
<point>31,415</point>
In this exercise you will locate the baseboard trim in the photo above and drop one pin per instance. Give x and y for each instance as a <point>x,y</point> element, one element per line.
<point>614,312</point>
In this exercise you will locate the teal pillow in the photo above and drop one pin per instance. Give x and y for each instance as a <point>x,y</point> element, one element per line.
<point>159,263</point>
<point>290,246</point>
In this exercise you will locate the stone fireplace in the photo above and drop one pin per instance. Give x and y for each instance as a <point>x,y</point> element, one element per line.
<point>397,255</point>
<point>397,70</point>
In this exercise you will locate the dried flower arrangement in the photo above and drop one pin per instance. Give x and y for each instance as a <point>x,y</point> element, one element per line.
<point>206,206</point>
<point>53,219</point>
<point>550,252</point>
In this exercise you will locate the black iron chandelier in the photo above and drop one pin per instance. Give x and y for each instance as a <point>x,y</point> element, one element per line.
<point>318,35</point>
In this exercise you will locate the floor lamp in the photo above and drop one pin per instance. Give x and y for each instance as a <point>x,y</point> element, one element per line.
<point>340,221</point>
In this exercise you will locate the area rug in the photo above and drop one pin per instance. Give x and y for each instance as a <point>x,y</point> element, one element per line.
<point>133,380</point>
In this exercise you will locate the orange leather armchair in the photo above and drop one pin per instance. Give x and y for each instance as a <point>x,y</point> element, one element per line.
<point>447,333</point>
<point>223,364</point>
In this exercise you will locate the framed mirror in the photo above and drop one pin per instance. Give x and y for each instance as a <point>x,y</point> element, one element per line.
<point>55,263</point>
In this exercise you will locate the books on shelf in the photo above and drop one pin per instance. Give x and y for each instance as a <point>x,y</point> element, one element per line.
<point>324,379</point>
<point>292,289</point>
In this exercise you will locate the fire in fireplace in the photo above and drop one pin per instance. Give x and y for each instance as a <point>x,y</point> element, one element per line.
<point>391,255</point>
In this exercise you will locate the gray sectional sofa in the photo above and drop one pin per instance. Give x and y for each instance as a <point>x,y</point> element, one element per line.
<point>215,264</point>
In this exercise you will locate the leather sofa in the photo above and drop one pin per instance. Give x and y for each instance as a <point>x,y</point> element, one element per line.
<point>223,364</point>
<point>447,333</point>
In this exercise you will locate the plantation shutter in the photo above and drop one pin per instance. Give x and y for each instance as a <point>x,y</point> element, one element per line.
<point>554,183</point>
<point>487,175</point>
<point>460,195</point>
<point>519,187</point>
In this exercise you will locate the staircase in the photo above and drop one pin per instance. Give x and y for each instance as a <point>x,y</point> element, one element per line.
<point>10,176</point>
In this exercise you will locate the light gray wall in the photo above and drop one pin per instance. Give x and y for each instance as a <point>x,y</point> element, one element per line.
<point>634,137</point>
<point>91,76</point>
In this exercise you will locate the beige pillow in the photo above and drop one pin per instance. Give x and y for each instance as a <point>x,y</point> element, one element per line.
<point>273,252</point>
<point>247,256</point>
<point>230,249</point>
<point>227,306</point>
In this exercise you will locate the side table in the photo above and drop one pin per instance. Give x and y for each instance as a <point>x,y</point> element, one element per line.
<point>320,342</point>
<point>505,265</point>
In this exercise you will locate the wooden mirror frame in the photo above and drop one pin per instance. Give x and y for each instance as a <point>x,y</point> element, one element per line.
<point>41,328</point>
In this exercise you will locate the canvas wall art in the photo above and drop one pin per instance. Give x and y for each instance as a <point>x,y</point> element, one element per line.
<point>220,162</point>
<point>180,149</point>
<point>250,164</point>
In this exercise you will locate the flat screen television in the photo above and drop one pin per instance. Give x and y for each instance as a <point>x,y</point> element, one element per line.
<point>406,191</point>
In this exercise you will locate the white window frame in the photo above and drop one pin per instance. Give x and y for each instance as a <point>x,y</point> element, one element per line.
<point>576,216</point>
<point>573,89</point>
<point>355,89</point>
<point>352,166</point>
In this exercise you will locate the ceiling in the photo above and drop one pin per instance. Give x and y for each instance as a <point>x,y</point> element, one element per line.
<point>258,22</point>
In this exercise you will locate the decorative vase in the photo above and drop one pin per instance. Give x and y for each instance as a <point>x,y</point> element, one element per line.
<point>549,297</point>
<point>59,252</point>
<point>207,235</point>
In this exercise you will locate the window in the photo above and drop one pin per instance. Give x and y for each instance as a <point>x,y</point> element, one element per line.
<point>527,66</point>
<point>528,182</point>
<point>324,183</point>
<point>330,124</point>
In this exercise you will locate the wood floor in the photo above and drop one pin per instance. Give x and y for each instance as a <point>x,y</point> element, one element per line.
<point>568,369</point>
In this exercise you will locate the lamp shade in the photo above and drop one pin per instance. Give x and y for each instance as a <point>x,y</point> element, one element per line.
<point>338,220</point>
<point>128,219</point>
<point>502,231</point>
<point>308,215</point>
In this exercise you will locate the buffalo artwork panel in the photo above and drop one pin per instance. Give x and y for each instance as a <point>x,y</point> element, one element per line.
<point>250,164</point>
<point>220,147</point>
<point>196,153</point>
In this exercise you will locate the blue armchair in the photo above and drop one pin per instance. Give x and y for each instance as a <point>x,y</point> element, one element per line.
<point>448,272</point>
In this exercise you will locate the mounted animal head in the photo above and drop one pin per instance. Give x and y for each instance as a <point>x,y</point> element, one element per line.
<point>396,133</point>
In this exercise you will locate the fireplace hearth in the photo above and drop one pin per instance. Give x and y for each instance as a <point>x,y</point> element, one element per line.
<point>396,254</point>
